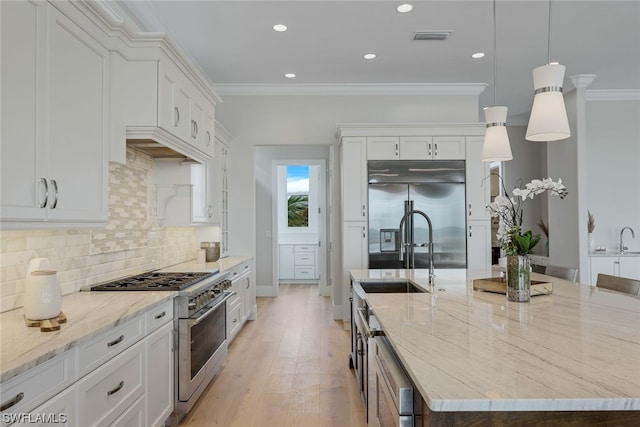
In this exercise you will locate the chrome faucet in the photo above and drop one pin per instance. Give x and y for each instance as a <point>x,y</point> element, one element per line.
<point>411,260</point>
<point>633,236</point>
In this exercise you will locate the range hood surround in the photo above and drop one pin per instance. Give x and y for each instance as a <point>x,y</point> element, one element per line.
<point>158,143</point>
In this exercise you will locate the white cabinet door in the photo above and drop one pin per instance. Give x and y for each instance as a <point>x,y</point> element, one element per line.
<point>248,297</point>
<point>415,147</point>
<point>22,151</point>
<point>286,262</point>
<point>383,148</point>
<point>629,267</point>
<point>77,79</point>
<point>60,410</point>
<point>202,181</point>
<point>604,265</point>
<point>174,102</point>
<point>159,374</point>
<point>448,148</point>
<point>208,130</point>
<point>354,178</point>
<point>479,244</point>
<point>354,247</point>
<point>478,188</point>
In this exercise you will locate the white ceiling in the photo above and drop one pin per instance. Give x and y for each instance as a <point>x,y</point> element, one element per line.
<point>235,45</point>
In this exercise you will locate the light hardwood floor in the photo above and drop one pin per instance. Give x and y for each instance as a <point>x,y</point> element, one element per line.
<point>288,368</point>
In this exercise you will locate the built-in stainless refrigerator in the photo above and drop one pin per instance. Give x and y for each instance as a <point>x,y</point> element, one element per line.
<point>435,187</point>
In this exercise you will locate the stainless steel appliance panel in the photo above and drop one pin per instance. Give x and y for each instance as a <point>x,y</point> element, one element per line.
<point>434,187</point>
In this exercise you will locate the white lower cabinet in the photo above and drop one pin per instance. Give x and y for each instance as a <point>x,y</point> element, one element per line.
<point>159,375</point>
<point>298,262</point>
<point>478,244</point>
<point>61,410</point>
<point>622,266</point>
<point>120,377</point>
<point>241,306</point>
<point>107,392</point>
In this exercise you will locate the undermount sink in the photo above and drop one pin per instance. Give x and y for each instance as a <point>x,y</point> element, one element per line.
<point>388,287</point>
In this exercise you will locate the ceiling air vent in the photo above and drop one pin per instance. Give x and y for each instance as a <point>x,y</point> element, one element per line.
<point>432,35</point>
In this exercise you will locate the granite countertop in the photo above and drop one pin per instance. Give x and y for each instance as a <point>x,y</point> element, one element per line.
<point>88,313</point>
<point>465,350</point>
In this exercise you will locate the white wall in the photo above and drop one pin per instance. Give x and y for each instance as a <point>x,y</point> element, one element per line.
<point>562,161</point>
<point>310,120</point>
<point>613,162</point>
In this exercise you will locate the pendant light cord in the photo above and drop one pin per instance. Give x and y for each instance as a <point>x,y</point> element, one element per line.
<point>549,37</point>
<point>495,56</point>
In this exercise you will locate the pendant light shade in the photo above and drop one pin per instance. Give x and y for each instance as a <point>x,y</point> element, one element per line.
<point>496,147</point>
<point>548,121</point>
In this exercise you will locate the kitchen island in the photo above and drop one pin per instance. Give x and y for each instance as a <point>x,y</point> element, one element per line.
<point>569,357</point>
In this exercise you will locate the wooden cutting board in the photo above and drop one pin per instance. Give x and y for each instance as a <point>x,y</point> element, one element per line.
<point>499,285</point>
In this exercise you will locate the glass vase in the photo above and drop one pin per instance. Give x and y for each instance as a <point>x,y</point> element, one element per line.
<point>518,278</point>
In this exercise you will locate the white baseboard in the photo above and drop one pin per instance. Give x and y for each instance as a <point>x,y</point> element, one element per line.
<point>266,291</point>
<point>338,312</point>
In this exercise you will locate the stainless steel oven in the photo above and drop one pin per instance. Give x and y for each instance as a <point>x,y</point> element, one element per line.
<point>202,345</point>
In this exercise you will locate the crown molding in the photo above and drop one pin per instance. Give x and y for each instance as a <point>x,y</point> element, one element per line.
<point>613,95</point>
<point>469,89</point>
<point>409,129</point>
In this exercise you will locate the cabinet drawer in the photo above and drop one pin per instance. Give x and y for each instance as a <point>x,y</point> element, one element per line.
<point>32,388</point>
<point>105,393</point>
<point>305,273</point>
<point>158,316</point>
<point>107,344</point>
<point>305,248</point>
<point>133,416</point>
<point>304,258</point>
<point>234,321</point>
<point>61,410</point>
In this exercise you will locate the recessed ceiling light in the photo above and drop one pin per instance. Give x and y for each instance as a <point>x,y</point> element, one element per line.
<point>404,8</point>
<point>370,56</point>
<point>280,28</point>
<point>289,75</point>
<point>478,55</point>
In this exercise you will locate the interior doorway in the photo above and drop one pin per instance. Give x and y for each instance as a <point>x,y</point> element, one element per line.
<point>300,223</point>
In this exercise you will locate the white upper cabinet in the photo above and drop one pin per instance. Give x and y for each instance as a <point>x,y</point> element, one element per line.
<point>54,115</point>
<point>415,148</point>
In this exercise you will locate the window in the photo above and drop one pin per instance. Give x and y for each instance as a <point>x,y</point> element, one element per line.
<point>298,195</point>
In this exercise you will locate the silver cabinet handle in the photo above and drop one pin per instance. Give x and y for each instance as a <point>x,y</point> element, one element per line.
<point>176,116</point>
<point>13,402</point>
<point>470,233</point>
<point>161,315</point>
<point>363,210</point>
<point>195,135</point>
<point>469,209</point>
<point>193,129</point>
<point>429,149</point>
<point>55,194</point>
<point>397,152</point>
<point>248,283</point>
<point>46,193</point>
<point>364,234</point>
<point>116,341</point>
<point>117,389</point>
<point>435,151</point>
<point>210,211</point>
<point>208,141</point>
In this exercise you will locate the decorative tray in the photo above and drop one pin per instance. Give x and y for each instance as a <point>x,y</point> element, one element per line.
<point>499,285</point>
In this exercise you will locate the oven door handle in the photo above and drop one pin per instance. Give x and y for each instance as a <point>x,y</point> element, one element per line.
<point>194,322</point>
<point>365,323</point>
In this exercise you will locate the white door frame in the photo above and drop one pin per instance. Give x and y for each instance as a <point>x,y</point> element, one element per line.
<point>323,282</point>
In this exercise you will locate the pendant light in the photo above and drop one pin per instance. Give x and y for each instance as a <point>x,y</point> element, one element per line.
<point>496,147</point>
<point>548,120</point>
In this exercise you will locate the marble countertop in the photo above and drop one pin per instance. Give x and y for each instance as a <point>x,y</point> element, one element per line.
<point>88,313</point>
<point>465,350</point>
<point>615,253</point>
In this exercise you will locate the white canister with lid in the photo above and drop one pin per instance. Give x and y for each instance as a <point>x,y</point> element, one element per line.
<point>42,293</point>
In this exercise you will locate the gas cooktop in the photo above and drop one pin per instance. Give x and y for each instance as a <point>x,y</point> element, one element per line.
<point>154,281</point>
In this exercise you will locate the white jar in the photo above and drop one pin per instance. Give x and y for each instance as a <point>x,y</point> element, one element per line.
<point>42,295</point>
